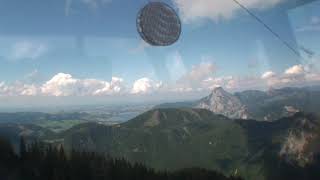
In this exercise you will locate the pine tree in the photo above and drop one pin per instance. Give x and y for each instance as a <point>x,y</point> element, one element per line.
<point>23,147</point>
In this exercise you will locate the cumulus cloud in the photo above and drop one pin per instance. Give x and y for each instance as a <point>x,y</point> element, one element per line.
<point>18,89</point>
<point>3,88</point>
<point>145,86</point>
<point>202,78</point>
<point>115,86</point>
<point>193,79</point>
<point>297,75</point>
<point>268,75</point>
<point>212,82</point>
<point>65,85</point>
<point>191,10</point>
<point>29,90</point>
<point>233,83</point>
<point>60,85</point>
<point>199,79</point>
<point>295,70</point>
<point>27,50</point>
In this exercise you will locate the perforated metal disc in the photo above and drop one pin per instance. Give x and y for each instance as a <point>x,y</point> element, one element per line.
<point>158,24</point>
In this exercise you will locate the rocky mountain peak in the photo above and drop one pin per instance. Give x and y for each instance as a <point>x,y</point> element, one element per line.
<point>218,89</point>
<point>225,103</point>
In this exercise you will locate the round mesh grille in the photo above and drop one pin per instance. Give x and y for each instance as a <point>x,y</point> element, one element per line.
<point>158,24</point>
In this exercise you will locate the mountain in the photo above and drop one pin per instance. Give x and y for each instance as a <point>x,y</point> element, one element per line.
<point>166,139</point>
<point>185,104</point>
<point>219,102</point>
<point>13,132</point>
<point>174,138</point>
<point>222,102</point>
<point>39,161</point>
<point>259,105</point>
<point>32,117</point>
<point>295,138</point>
<point>54,121</point>
<point>179,138</point>
<point>277,103</point>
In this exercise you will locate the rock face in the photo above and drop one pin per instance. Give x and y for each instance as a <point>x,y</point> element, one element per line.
<point>302,140</point>
<point>254,104</point>
<point>224,103</point>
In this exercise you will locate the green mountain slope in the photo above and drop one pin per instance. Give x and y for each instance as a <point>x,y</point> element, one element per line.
<point>180,138</point>
<point>183,138</point>
<point>167,139</point>
<point>14,132</point>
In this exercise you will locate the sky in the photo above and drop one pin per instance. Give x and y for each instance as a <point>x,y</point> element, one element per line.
<point>91,48</point>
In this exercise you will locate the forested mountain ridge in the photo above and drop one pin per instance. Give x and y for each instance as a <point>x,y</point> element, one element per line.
<point>181,138</point>
<point>37,161</point>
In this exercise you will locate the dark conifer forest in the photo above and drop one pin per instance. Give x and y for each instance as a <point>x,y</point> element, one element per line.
<point>37,161</point>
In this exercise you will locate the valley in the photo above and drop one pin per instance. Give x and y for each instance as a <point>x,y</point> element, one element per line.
<point>218,132</point>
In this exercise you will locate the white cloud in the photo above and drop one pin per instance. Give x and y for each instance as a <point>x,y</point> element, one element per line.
<point>145,86</point>
<point>27,50</point>
<point>199,79</point>
<point>234,83</point>
<point>29,90</point>
<point>65,85</point>
<point>198,73</point>
<point>212,82</point>
<point>295,70</point>
<point>3,89</point>
<point>297,75</point>
<point>115,86</point>
<point>268,75</point>
<point>18,89</point>
<point>191,10</point>
<point>60,85</point>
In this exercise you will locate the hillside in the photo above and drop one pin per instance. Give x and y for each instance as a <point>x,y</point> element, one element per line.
<point>53,121</point>
<point>34,162</point>
<point>160,138</point>
<point>180,138</point>
<point>13,132</point>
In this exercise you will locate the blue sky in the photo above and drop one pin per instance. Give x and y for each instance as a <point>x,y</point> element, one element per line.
<point>57,48</point>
